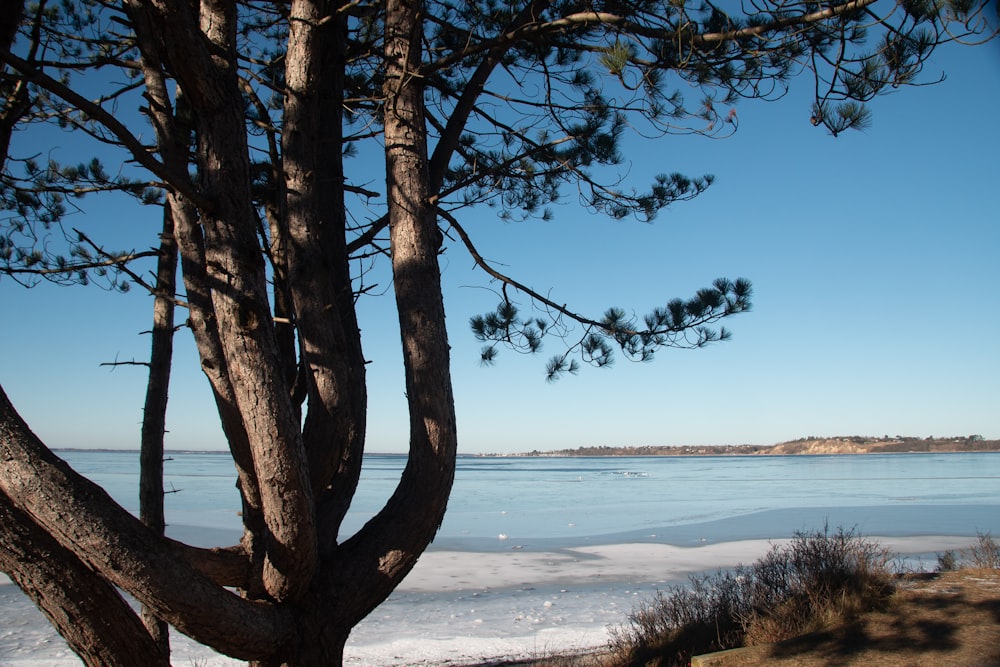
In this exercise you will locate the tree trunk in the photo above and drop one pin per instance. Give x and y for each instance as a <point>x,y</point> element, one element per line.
<point>154,415</point>
<point>367,567</point>
<point>173,121</point>
<point>115,546</point>
<point>202,54</point>
<point>305,590</point>
<point>88,612</point>
<point>319,278</point>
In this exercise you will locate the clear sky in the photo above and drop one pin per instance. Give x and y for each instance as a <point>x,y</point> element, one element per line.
<point>875,259</point>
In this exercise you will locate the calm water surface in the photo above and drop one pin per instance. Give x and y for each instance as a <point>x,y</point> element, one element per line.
<point>551,502</point>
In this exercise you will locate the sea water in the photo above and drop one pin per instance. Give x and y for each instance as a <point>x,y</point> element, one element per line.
<point>564,501</point>
<point>557,510</point>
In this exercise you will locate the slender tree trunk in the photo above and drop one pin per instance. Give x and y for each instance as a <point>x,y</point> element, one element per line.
<point>173,145</point>
<point>370,564</point>
<point>154,416</point>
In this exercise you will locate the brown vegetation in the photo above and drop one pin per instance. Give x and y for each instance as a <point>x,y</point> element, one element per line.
<point>817,579</point>
<point>941,620</point>
<point>949,618</point>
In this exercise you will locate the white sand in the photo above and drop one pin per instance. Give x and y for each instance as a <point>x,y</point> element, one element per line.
<point>457,607</point>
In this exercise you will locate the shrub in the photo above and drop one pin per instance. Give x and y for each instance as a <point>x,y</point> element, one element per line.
<point>983,555</point>
<point>680,620</point>
<point>815,580</point>
<point>948,561</point>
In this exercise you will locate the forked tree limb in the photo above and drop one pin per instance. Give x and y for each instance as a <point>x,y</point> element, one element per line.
<point>85,609</point>
<point>83,519</point>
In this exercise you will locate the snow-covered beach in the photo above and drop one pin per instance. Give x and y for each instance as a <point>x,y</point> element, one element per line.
<point>465,607</point>
<point>542,556</point>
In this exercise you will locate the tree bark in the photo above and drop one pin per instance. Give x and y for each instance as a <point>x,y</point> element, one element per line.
<point>369,565</point>
<point>154,414</point>
<point>89,613</point>
<point>83,519</point>
<point>173,125</point>
<point>202,52</point>
<point>319,278</point>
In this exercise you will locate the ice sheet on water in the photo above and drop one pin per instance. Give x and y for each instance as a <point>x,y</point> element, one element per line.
<point>559,512</point>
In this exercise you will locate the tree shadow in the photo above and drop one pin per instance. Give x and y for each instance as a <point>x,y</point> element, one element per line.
<point>926,625</point>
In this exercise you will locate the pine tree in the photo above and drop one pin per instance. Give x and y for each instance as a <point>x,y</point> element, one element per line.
<point>257,110</point>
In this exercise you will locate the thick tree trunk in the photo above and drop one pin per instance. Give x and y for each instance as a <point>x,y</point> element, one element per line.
<point>89,613</point>
<point>318,275</point>
<point>202,52</point>
<point>83,519</point>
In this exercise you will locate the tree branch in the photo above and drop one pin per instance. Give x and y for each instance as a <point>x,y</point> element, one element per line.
<point>459,117</point>
<point>780,24</point>
<point>87,611</point>
<point>507,280</point>
<point>111,261</point>
<point>584,20</point>
<point>125,552</point>
<point>179,182</point>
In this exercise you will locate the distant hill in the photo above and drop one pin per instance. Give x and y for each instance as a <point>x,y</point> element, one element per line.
<point>805,446</point>
<point>884,445</point>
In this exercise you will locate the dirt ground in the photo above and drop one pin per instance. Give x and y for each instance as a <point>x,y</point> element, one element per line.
<point>951,620</point>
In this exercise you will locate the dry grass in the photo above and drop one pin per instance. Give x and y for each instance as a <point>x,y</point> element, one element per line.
<point>825,601</point>
<point>984,554</point>
<point>817,579</point>
<point>948,620</point>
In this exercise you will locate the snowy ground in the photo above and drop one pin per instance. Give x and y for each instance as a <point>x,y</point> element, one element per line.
<point>459,607</point>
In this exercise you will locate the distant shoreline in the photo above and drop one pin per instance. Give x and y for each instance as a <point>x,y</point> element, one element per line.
<point>801,447</point>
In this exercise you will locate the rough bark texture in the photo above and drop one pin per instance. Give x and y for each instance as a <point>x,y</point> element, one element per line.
<point>318,275</point>
<point>383,552</point>
<point>205,62</point>
<point>87,611</point>
<point>82,518</point>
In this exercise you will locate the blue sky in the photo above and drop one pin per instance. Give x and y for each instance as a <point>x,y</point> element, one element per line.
<point>874,259</point>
